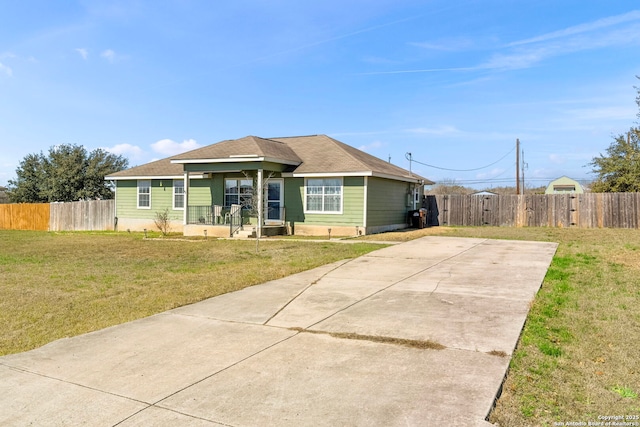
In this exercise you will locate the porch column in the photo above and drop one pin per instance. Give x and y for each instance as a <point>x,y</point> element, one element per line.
<point>260,191</point>
<point>186,198</point>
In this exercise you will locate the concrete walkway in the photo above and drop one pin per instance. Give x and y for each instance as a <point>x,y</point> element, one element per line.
<point>415,334</point>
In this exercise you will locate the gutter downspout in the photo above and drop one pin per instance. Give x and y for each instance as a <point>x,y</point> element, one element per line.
<point>364,214</point>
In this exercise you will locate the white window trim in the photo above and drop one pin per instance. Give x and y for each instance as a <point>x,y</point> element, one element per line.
<point>138,187</point>
<point>184,199</point>
<point>325,212</point>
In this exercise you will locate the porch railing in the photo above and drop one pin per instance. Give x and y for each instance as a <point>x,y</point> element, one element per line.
<point>233,216</point>
<point>235,219</point>
<point>209,215</point>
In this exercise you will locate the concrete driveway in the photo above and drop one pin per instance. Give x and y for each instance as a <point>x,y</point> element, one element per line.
<point>414,334</point>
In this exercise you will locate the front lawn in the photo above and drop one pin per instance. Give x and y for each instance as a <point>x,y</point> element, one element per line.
<point>54,285</point>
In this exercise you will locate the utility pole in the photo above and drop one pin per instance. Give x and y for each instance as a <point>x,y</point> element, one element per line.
<point>517,166</point>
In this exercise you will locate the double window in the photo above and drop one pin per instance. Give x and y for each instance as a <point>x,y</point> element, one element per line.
<point>178,194</point>
<point>238,192</point>
<point>323,195</point>
<point>144,194</point>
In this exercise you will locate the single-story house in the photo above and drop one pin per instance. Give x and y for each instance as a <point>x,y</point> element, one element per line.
<point>310,184</point>
<point>564,185</point>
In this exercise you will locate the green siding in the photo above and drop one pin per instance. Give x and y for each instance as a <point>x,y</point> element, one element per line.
<point>386,202</point>
<point>126,199</point>
<point>566,182</point>
<point>293,195</point>
<point>161,199</point>
<point>352,204</point>
<point>201,192</point>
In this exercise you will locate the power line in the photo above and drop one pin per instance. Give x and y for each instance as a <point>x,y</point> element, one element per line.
<point>408,157</point>
<point>499,180</point>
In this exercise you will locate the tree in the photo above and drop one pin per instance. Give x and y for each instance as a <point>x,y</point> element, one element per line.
<point>27,187</point>
<point>67,174</point>
<point>4,197</point>
<point>449,186</point>
<point>250,204</point>
<point>619,170</point>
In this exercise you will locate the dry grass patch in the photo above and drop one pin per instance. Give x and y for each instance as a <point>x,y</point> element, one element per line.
<point>421,344</point>
<point>406,234</point>
<point>54,285</point>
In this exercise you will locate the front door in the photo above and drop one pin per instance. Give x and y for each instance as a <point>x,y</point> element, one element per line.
<point>274,206</point>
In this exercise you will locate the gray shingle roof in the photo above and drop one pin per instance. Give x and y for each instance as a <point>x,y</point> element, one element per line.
<point>309,154</point>
<point>323,154</point>
<point>158,168</point>
<point>249,145</point>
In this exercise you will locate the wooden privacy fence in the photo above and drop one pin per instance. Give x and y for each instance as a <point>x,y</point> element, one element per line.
<point>590,210</point>
<point>94,215</point>
<point>24,216</point>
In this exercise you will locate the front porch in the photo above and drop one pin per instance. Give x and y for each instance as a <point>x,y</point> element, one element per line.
<point>234,221</point>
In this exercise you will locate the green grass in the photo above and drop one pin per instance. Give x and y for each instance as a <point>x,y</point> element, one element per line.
<point>54,285</point>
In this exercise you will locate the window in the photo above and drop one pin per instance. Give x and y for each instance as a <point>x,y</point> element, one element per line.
<point>144,194</point>
<point>323,195</point>
<point>564,188</point>
<point>178,194</point>
<point>238,191</point>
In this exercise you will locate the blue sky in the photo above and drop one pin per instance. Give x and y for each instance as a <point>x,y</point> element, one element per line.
<point>454,83</point>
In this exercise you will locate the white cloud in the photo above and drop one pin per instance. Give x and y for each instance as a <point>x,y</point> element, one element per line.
<point>83,52</point>
<point>582,28</point>
<point>169,147</point>
<point>440,130</point>
<point>6,70</point>
<point>557,159</point>
<point>369,147</point>
<point>448,44</point>
<point>515,61</point>
<point>126,150</point>
<point>590,35</point>
<point>109,55</point>
<point>521,54</point>
<point>603,113</point>
<point>493,173</point>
